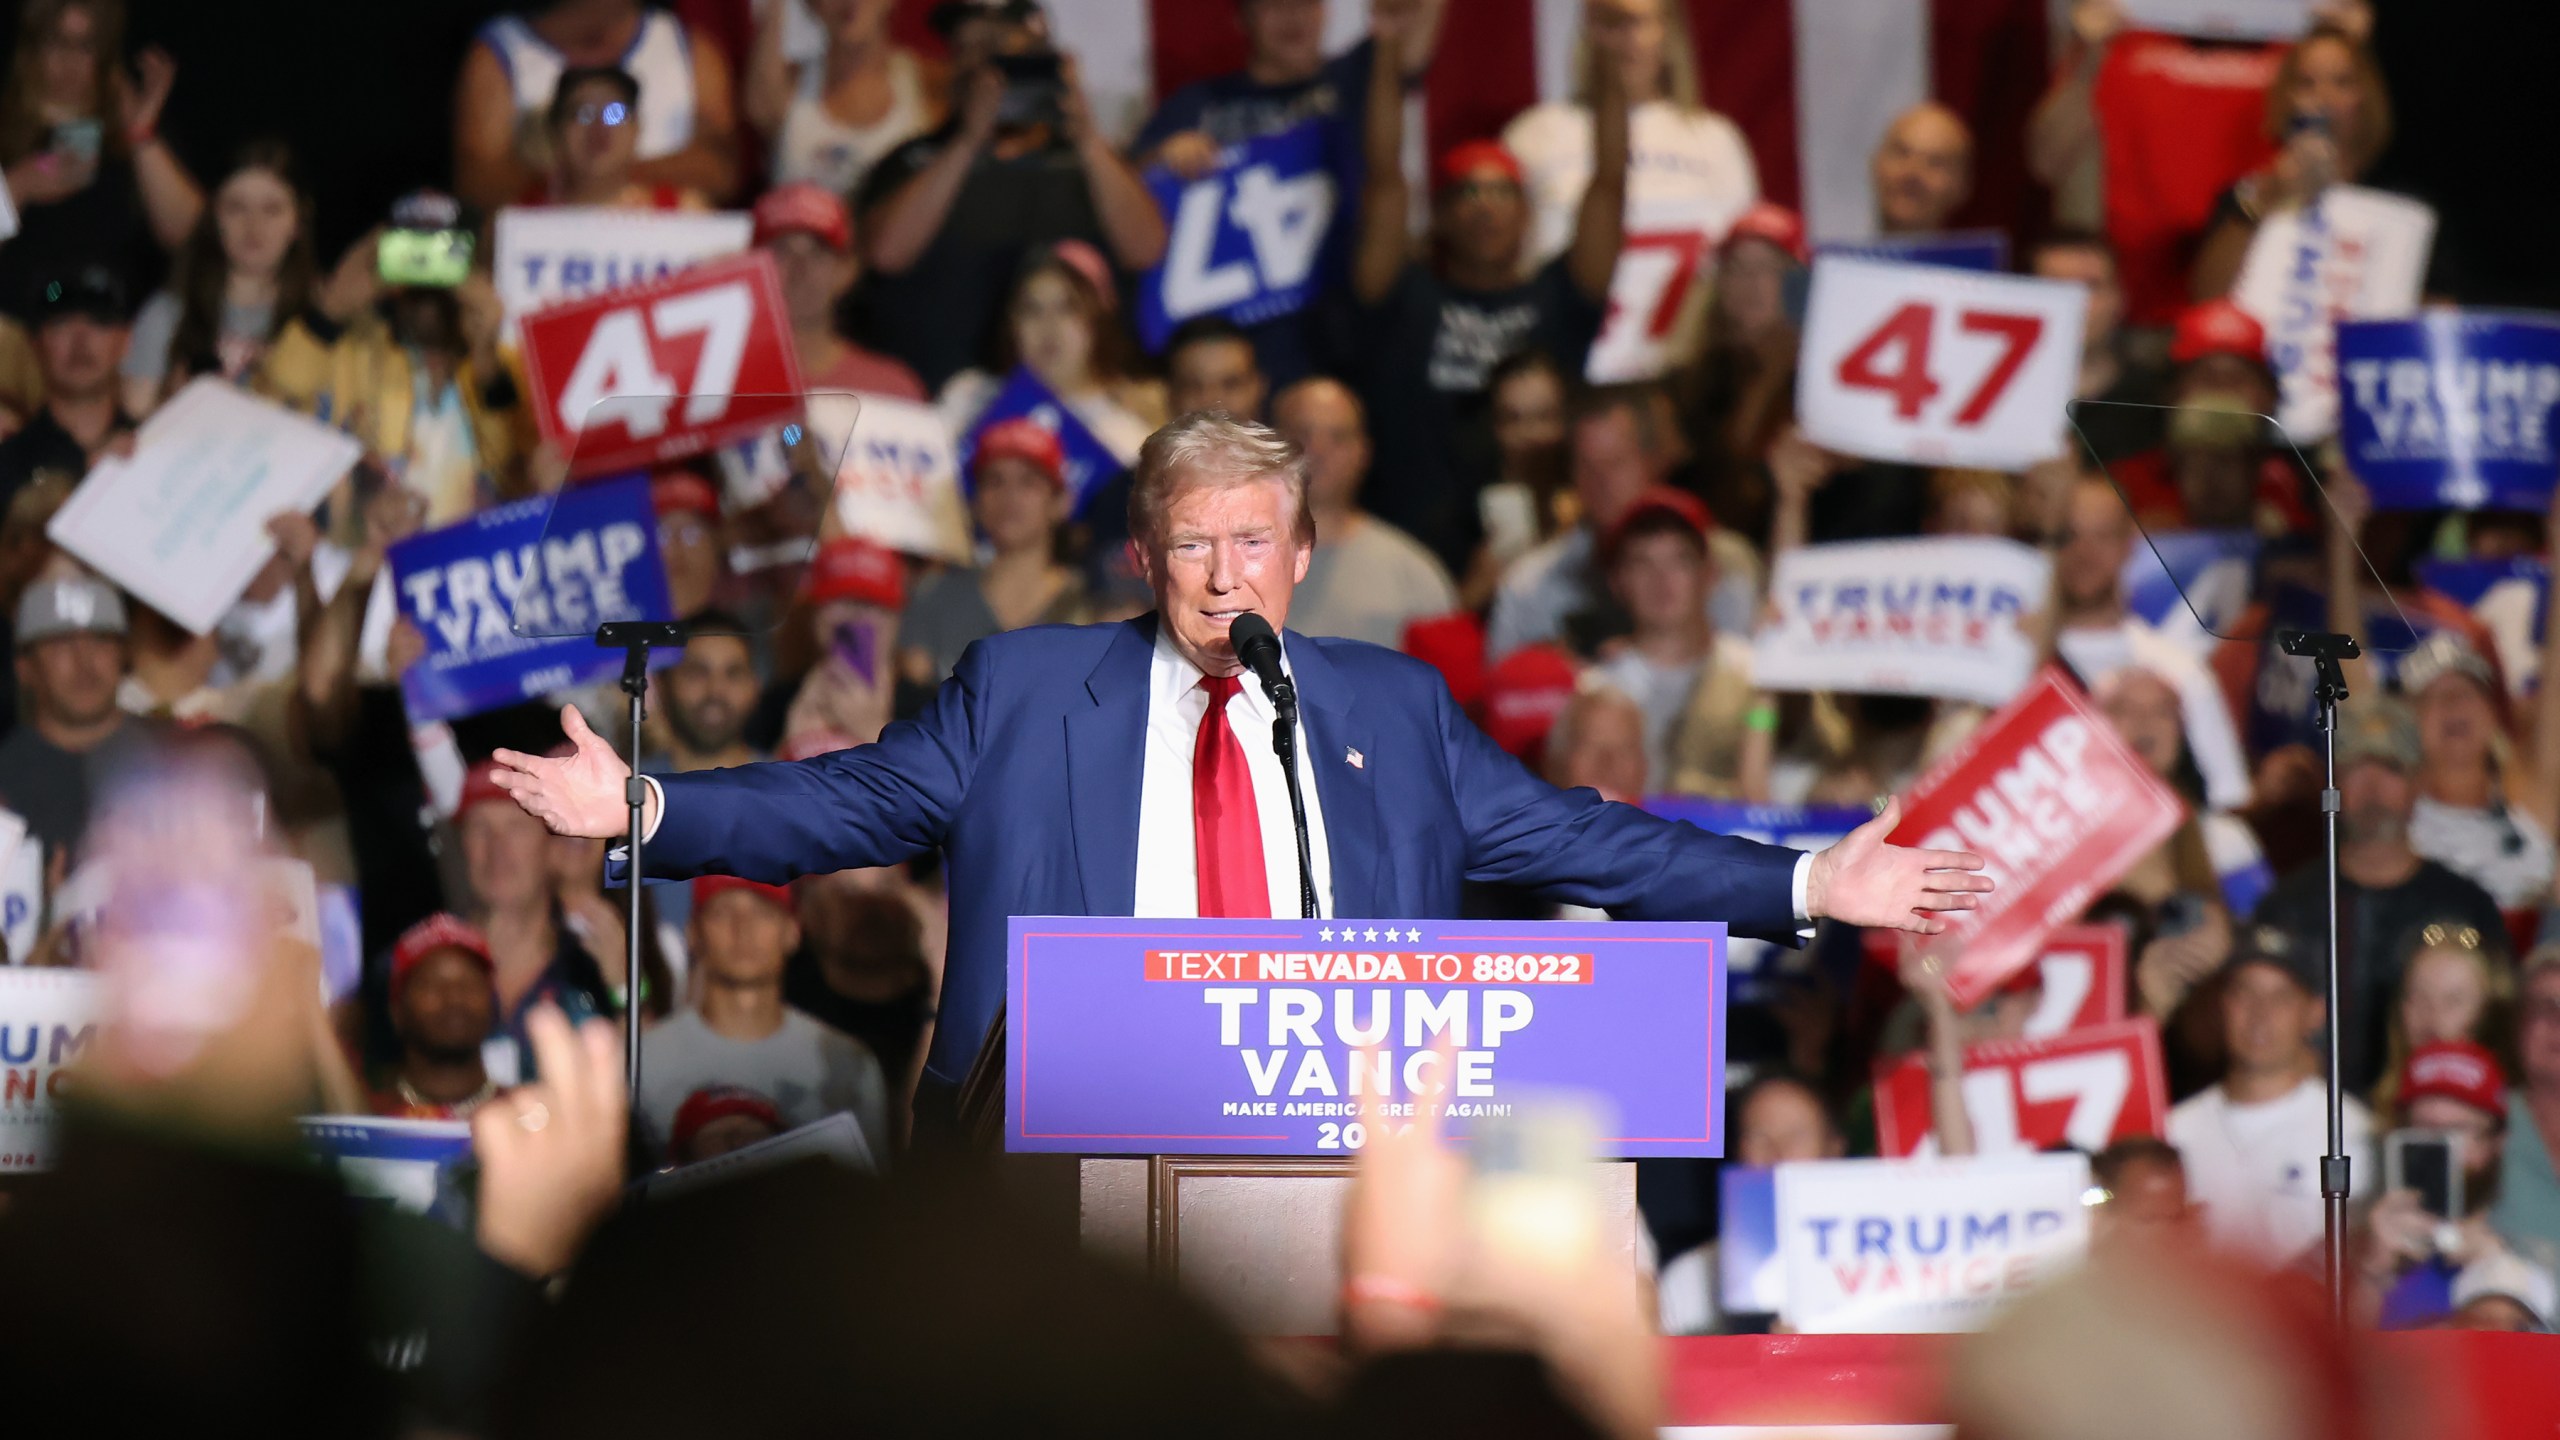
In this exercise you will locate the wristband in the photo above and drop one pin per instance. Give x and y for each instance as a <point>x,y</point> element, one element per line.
<point>1374,1289</point>
<point>141,135</point>
<point>1761,718</point>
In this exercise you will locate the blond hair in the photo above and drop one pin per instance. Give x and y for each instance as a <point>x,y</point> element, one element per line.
<point>1212,449</point>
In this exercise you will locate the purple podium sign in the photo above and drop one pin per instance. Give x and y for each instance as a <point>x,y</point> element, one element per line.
<point>1241,1037</point>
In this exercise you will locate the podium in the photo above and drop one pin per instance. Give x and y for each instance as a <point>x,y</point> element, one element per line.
<point>1193,1136</point>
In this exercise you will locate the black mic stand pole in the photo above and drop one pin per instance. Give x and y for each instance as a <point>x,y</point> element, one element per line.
<point>2325,652</point>
<point>634,638</point>
<point>1284,742</point>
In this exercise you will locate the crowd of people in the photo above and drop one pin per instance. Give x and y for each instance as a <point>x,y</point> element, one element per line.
<point>1578,537</point>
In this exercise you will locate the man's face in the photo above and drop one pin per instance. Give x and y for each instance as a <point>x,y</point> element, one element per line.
<point>2144,710</point>
<point>447,1006</point>
<point>742,938</point>
<point>710,692</point>
<point>507,854</point>
<point>1284,38</point>
<point>2224,377</point>
<point>1226,548</point>
<point>1610,466</point>
<point>1922,171</point>
<point>2456,719</point>
<point>1216,375</point>
<point>814,279</point>
<point>2094,268</point>
<point>1783,1123</point>
<point>1481,217</point>
<point>72,679</point>
<point>2477,1128</point>
<point>689,542</point>
<point>1662,577</point>
<point>1528,418</point>
<point>1322,419</point>
<point>2539,1031</point>
<point>79,355</point>
<point>2266,1017</point>
<point>2375,801</point>
<point>2147,1203</point>
<point>1606,749</point>
<point>1017,505</point>
<point>2097,536</point>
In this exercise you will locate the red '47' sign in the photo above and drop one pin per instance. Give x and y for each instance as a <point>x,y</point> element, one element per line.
<point>2080,974</point>
<point>2058,807</point>
<point>2087,1089</point>
<point>636,377</point>
<point>1932,366</point>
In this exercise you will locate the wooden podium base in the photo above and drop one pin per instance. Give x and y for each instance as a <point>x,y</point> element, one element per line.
<point>1258,1239</point>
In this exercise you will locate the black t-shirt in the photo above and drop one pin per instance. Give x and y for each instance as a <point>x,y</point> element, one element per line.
<point>892,1028</point>
<point>1422,357</point>
<point>51,787</point>
<point>102,225</point>
<point>940,314</point>
<point>42,444</point>
<point>2373,932</point>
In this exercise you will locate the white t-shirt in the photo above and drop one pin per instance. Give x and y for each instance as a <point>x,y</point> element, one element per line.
<point>817,147</point>
<point>1662,692</point>
<point>808,1069</point>
<point>2501,850</point>
<point>1369,585</point>
<point>660,58</point>
<point>1689,177</point>
<point>2256,1168</point>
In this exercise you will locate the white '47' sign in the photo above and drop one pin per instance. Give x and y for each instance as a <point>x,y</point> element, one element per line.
<point>1926,365</point>
<point>1245,238</point>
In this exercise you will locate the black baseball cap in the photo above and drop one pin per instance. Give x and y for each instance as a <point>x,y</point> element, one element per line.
<point>91,292</point>
<point>2294,957</point>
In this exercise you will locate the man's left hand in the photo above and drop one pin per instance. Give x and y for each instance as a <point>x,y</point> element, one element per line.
<point>1863,881</point>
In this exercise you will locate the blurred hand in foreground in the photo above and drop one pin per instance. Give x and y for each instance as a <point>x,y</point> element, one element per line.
<point>551,1152</point>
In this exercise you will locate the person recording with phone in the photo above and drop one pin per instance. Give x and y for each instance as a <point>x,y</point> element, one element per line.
<point>2431,1228</point>
<point>92,180</point>
<point>948,218</point>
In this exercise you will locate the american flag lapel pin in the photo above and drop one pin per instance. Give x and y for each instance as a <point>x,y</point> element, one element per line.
<point>1357,760</point>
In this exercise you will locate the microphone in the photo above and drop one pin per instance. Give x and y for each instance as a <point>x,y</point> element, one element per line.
<point>1259,648</point>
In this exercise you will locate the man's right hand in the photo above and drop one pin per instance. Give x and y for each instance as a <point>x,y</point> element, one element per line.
<point>579,794</point>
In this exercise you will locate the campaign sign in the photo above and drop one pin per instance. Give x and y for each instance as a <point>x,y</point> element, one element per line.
<point>2283,710</point>
<point>2352,254</point>
<point>1654,288</point>
<point>1924,365</point>
<point>2452,408</point>
<point>633,378</point>
<point>2080,975</point>
<point>1240,1037</point>
<point>1986,251</point>
<point>1943,617</point>
<point>2190,579</point>
<point>1883,1247</point>
<point>2056,804</point>
<point>2220,19</point>
<point>1243,240</point>
<point>1090,464</point>
<point>2511,598</point>
<point>899,483</point>
<point>1751,1277</point>
<point>47,1017</point>
<point>416,1166</point>
<point>544,255</point>
<point>2084,1088</point>
<point>1754,966</point>
<point>509,609</point>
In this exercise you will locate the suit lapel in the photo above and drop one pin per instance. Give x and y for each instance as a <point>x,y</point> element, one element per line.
<point>1106,767</point>
<point>1335,734</point>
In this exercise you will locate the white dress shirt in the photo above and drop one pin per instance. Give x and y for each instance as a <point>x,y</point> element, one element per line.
<point>1168,872</point>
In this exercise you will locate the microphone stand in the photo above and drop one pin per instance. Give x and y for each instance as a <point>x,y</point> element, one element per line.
<point>1284,743</point>
<point>634,639</point>
<point>2325,651</point>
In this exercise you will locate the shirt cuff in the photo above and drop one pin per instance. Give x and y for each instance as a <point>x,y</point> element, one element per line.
<point>1804,870</point>
<point>658,817</point>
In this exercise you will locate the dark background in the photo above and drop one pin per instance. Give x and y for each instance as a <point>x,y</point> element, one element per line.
<point>364,89</point>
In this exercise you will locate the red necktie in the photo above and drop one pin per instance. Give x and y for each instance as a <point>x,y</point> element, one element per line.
<point>1226,828</point>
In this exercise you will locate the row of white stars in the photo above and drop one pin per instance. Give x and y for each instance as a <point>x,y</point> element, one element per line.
<point>1370,935</point>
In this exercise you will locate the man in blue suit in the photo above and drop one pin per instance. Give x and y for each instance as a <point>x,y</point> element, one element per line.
<point>1127,769</point>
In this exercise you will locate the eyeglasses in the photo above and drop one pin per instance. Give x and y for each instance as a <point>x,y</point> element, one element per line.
<point>610,113</point>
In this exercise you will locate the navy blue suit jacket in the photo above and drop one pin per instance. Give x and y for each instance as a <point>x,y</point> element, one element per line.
<point>1026,767</point>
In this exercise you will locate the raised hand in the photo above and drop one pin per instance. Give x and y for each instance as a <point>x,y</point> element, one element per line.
<point>577,794</point>
<point>1861,880</point>
<point>551,1152</point>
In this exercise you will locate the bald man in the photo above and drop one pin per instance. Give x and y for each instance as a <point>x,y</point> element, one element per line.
<point>1923,170</point>
<point>1369,580</point>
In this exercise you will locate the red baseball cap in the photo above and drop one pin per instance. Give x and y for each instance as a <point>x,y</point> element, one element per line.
<point>717,1102</point>
<point>480,785</point>
<point>1460,162</point>
<point>852,568</point>
<point>2456,1070</point>
<point>1452,644</point>
<point>674,492</point>
<point>440,931</point>
<point>2217,327</point>
<point>1025,439</point>
<point>1523,694</point>
<point>1657,502</point>
<point>803,209</point>
<point>707,886</point>
<point>1774,224</point>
